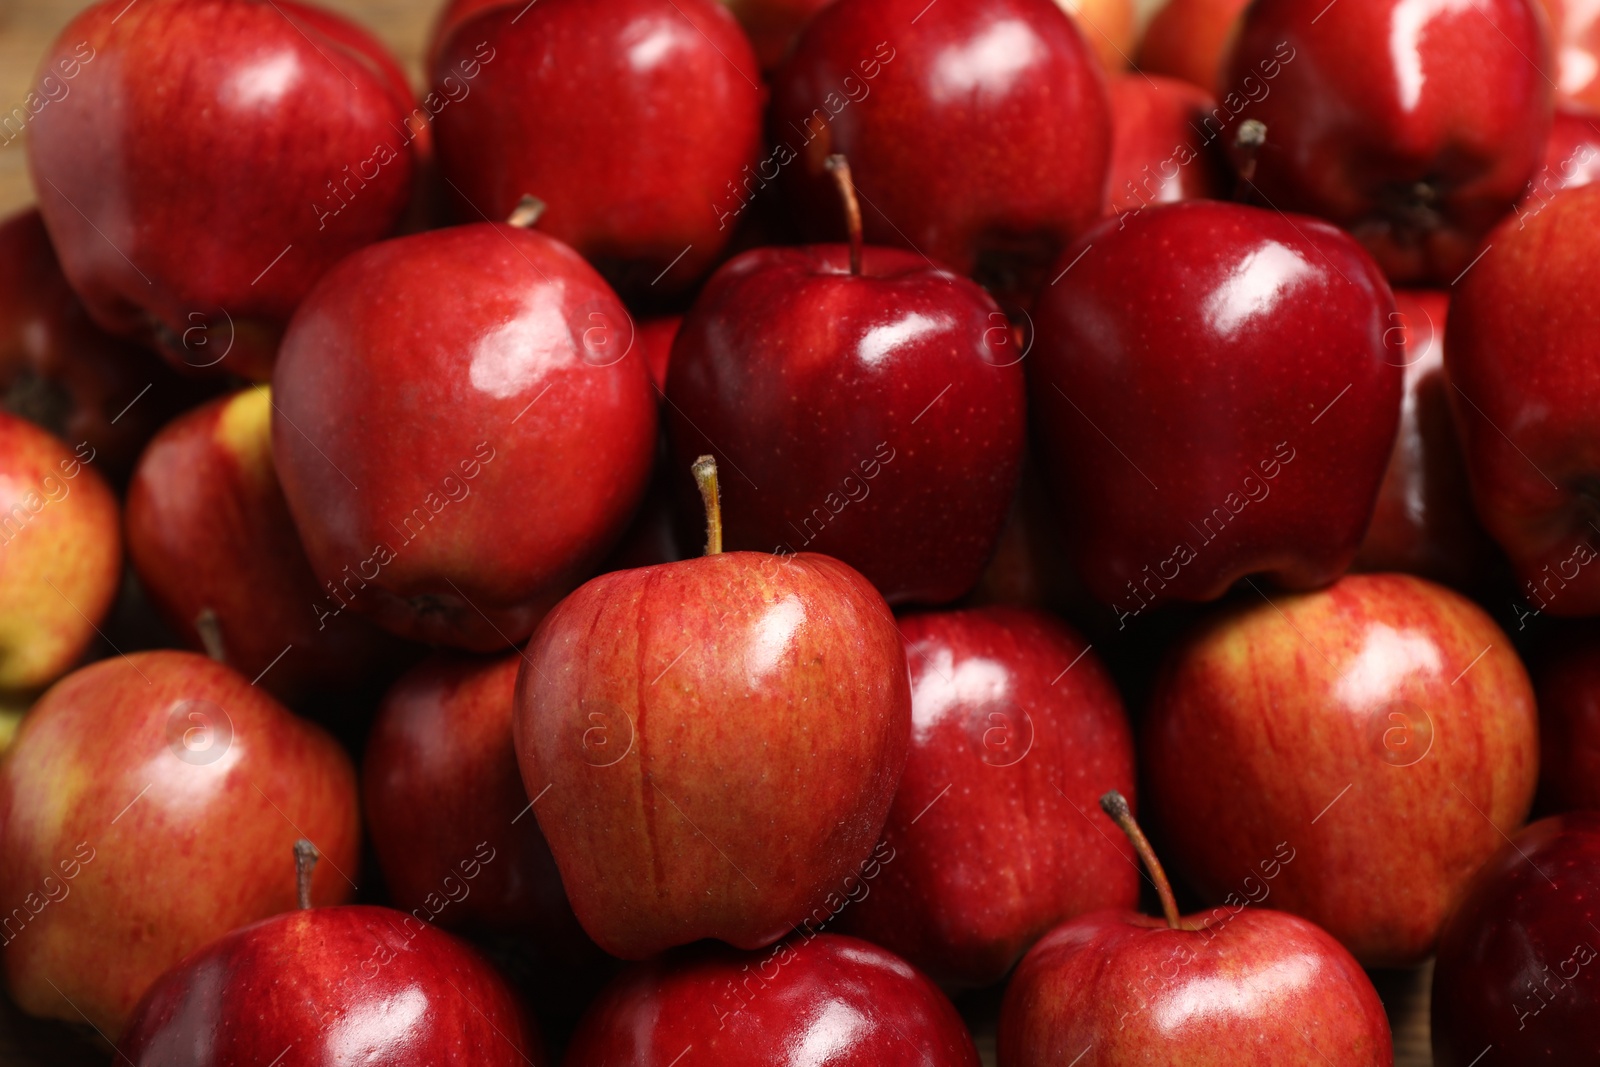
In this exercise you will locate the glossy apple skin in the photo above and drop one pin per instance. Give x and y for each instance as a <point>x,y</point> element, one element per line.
<point>1576,34</point>
<point>1159,153</point>
<point>813,999</point>
<point>1191,453</point>
<point>335,985</point>
<point>208,529</point>
<point>877,418</point>
<point>1020,843</point>
<point>411,424</point>
<point>1519,352</point>
<point>1516,961</point>
<point>1567,678</point>
<point>1417,148</point>
<point>925,100</point>
<point>631,119</point>
<point>150,179</point>
<point>659,707</point>
<point>60,554</point>
<point>1400,690</point>
<point>1424,522</point>
<point>656,337</point>
<point>1248,988</point>
<point>1189,39</point>
<point>226,780</point>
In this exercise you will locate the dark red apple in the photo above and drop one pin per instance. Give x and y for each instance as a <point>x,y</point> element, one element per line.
<point>1567,678</point>
<point>1233,985</point>
<point>1517,981</point>
<point>716,742</point>
<point>1160,152</point>
<point>809,1000</point>
<point>148,805</point>
<point>995,834</point>
<point>1416,126</point>
<point>633,120</point>
<point>656,337</point>
<point>456,456</point>
<point>1190,39</point>
<point>1191,452</point>
<point>451,15</point>
<point>1520,355</point>
<point>978,130</point>
<point>212,159</point>
<point>1383,728</point>
<point>774,25</point>
<point>326,987</point>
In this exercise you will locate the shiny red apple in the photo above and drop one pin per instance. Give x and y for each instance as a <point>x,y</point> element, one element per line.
<point>1567,678</point>
<point>995,834</point>
<point>1383,728</point>
<point>1190,39</point>
<point>211,160</point>
<point>1161,151</point>
<point>1190,451</point>
<point>1414,125</point>
<point>456,456</point>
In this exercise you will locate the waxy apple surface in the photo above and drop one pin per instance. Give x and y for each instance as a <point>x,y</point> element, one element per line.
<point>1161,151</point>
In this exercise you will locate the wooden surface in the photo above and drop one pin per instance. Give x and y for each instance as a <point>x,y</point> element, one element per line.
<point>26,29</point>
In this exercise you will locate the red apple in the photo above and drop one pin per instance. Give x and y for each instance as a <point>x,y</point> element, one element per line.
<point>1029,567</point>
<point>1424,523</point>
<point>453,14</point>
<point>1519,352</point>
<point>774,25</point>
<point>1192,452</point>
<point>656,337</point>
<point>60,554</point>
<point>1384,728</point>
<point>630,119</point>
<point>148,805</point>
<point>918,97</point>
<point>1159,150</point>
<point>1109,26</point>
<point>868,406</point>
<point>435,484</point>
<point>812,999</point>
<point>1516,980</point>
<point>210,536</point>
<point>1414,126</point>
<point>152,171</point>
<point>1190,39</point>
<point>1571,159</point>
<point>716,742</point>
<point>1567,678</point>
<point>1233,985</point>
<point>334,986</point>
<point>995,835</point>
<point>1576,37</point>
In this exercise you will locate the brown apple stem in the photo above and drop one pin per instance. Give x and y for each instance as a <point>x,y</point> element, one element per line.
<point>839,167</point>
<point>305,858</point>
<point>705,476</point>
<point>526,213</point>
<point>210,629</point>
<point>1251,136</point>
<point>1115,805</point>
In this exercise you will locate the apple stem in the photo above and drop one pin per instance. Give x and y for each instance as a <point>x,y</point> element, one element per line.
<point>305,858</point>
<point>526,213</point>
<point>705,476</point>
<point>210,629</point>
<point>1115,805</point>
<point>1251,136</point>
<point>839,167</point>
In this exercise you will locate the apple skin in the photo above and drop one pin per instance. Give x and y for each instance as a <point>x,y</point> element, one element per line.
<point>1519,353</point>
<point>1576,35</point>
<point>918,127</point>
<point>1391,711</point>
<point>656,337</point>
<point>1190,39</point>
<point>1571,159</point>
<point>1567,679</point>
<point>1247,987</point>
<point>876,418</point>
<point>60,554</point>
<point>208,529</point>
<point>661,706</point>
<point>226,780</point>
<point>336,984</point>
<point>1158,154</point>
<point>631,119</point>
<point>1424,523</point>
<point>376,357</point>
<point>773,26</point>
<point>1162,399</point>
<point>1021,843</point>
<point>1417,148</point>
<point>1515,967</point>
<point>1109,26</point>
<point>822,998</point>
<point>150,179</point>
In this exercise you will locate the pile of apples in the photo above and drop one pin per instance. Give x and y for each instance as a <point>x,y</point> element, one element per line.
<point>765,493</point>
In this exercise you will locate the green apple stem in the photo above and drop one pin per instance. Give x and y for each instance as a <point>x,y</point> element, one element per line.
<point>526,213</point>
<point>1115,805</point>
<point>705,476</point>
<point>839,167</point>
<point>210,629</point>
<point>305,858</point>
